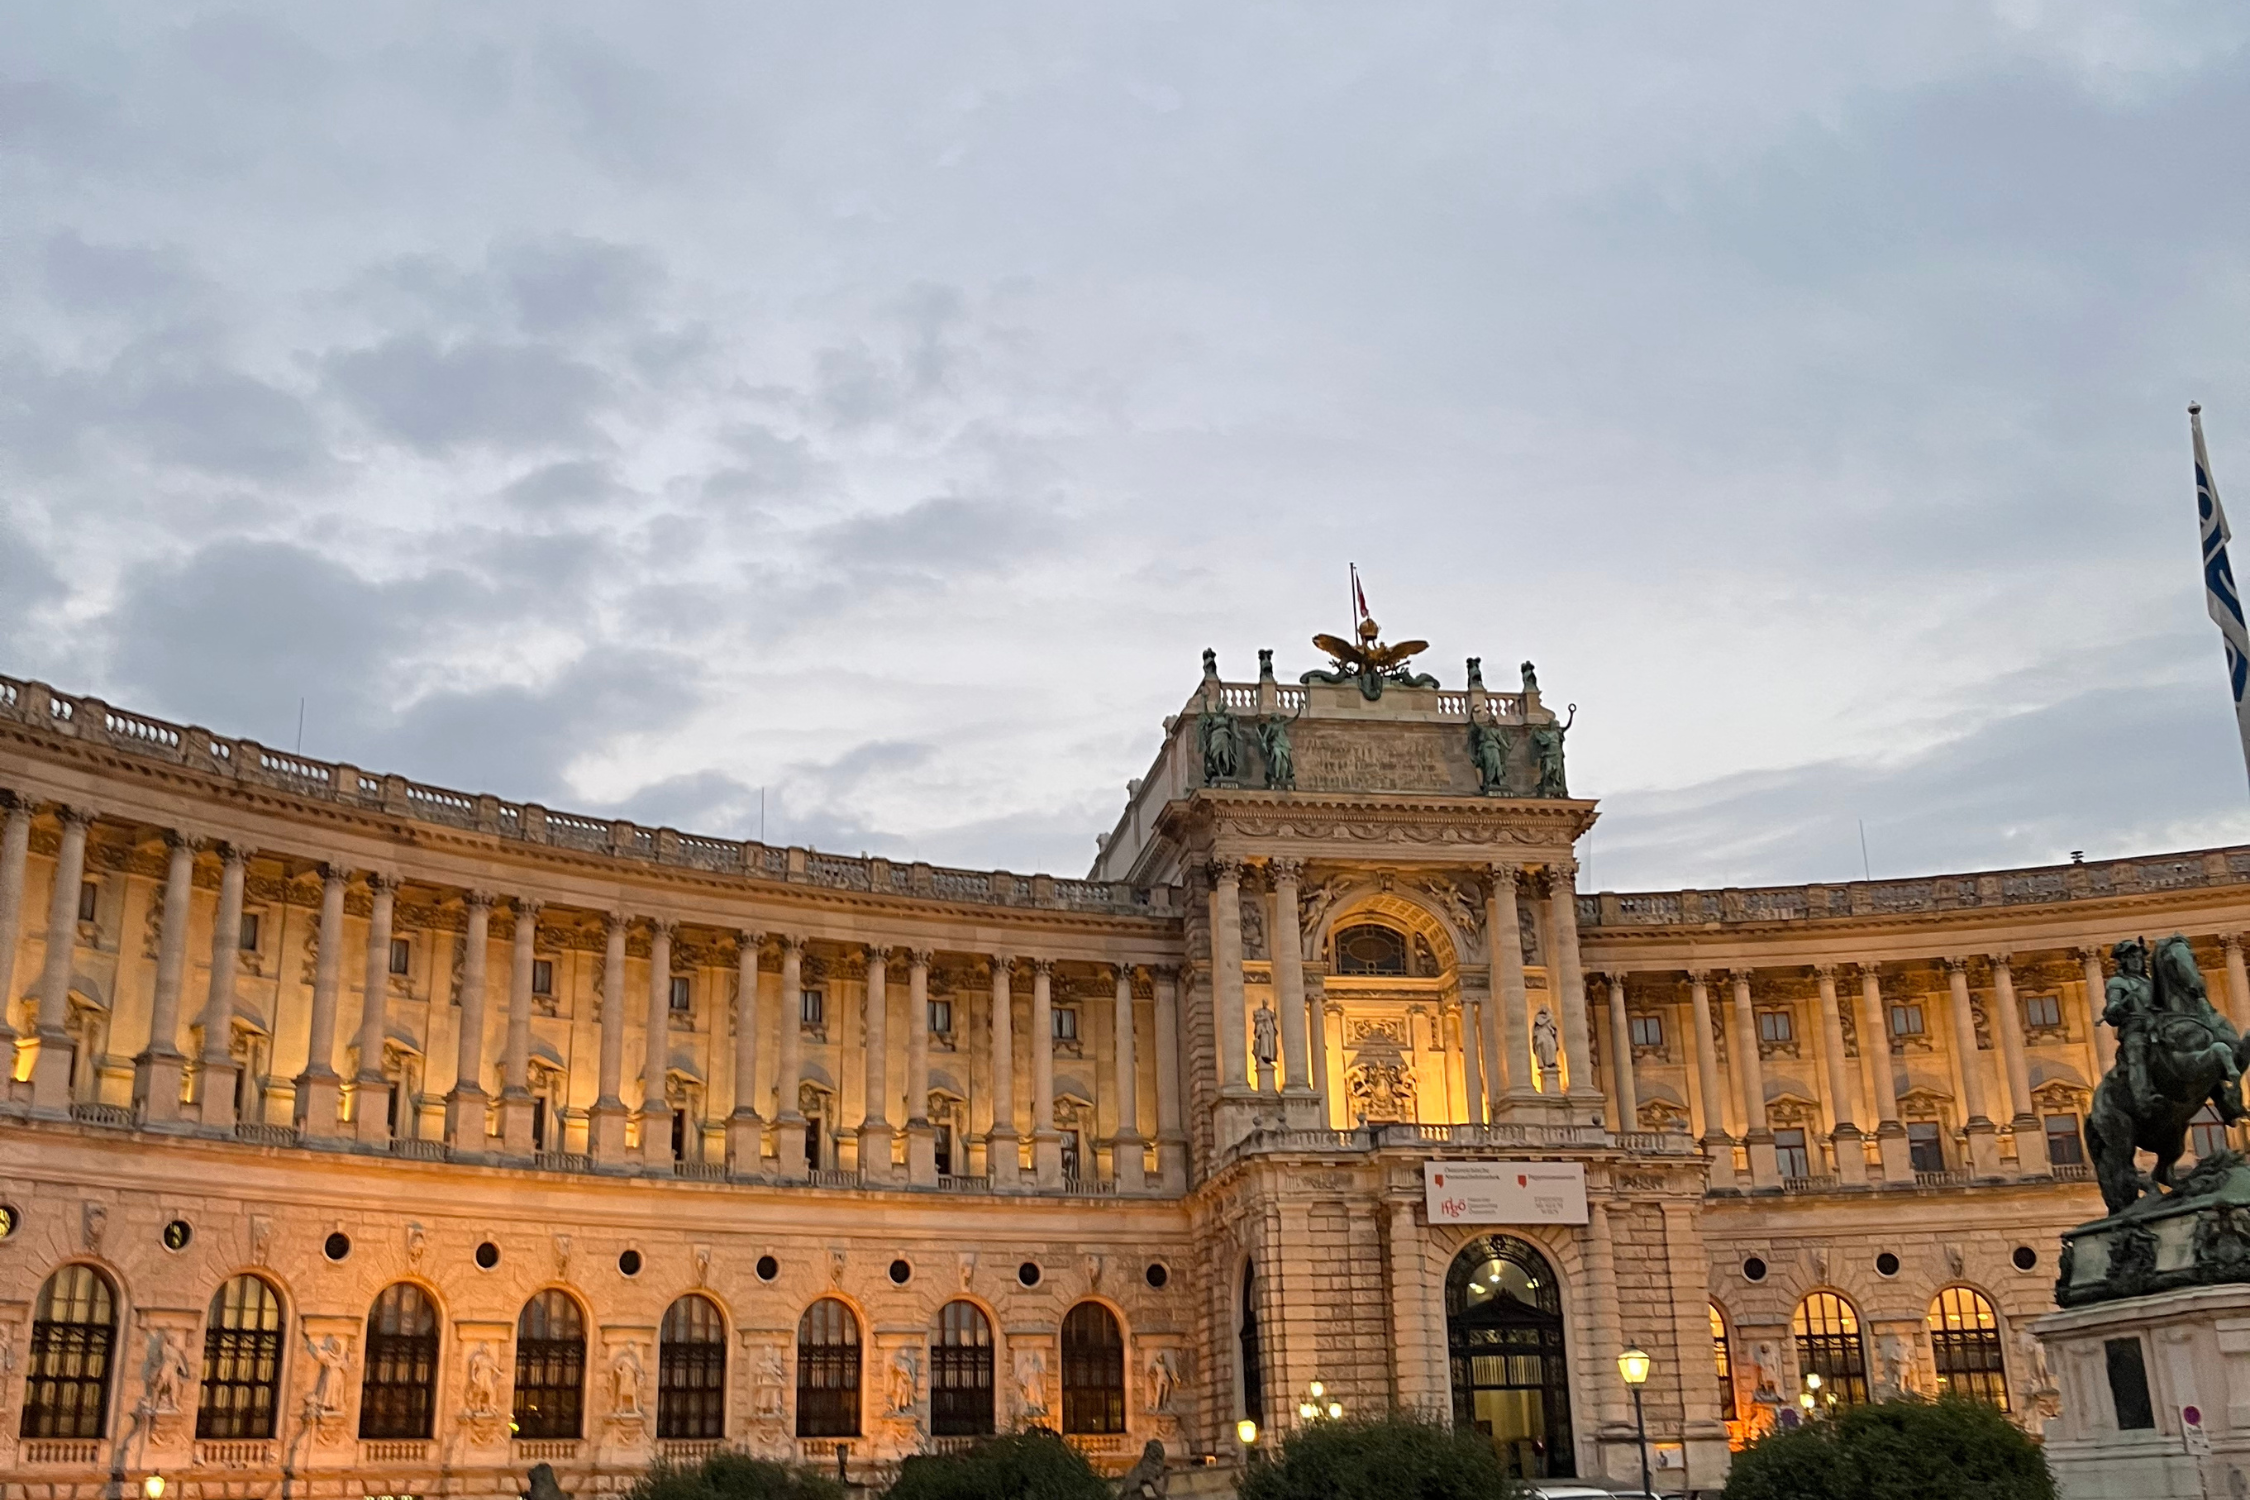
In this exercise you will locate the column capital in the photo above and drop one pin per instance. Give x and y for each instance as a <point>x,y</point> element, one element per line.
<point>13,801</point>
<point>1002,963</point>
<point>919,958</point>
<point>879,956</point>
<point>526,909</point>
<point>331,873</point>
<point>790,943</point>
<point>1825,972</point>
<point>1163,973</point>
<point>663,927</point>
<point>1226,871</point>
<point>473,899</point>
<point>748,940</point>
<point>2088,955</point>
<point>75,812</point>
<point>1699,977</point>
<point>1563,870</point>
<point>232,853</point>
<point>2230,942</point>
<point>616,924</point>
<point>382,883</point>
<point>1741,978</point>
<point>2000,960</point>
<point>1285,869</point>
<point>1042,968</point>
<point>1956,964</point>
<point>1120,973</point>
<point>193,843</point>
<point>1504,869</point>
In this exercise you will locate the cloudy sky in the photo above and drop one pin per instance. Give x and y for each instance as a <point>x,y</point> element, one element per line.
<point>641,408</point>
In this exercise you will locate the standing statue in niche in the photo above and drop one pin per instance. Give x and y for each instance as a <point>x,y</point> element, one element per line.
<point>1547,750</point>
<point>1265,1043</point>
<point>1546,1042</point>
<point>625,1373</point>
<point>1488,751</point>
<point>906,1384</point>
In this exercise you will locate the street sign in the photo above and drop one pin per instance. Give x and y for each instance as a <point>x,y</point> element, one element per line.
<point>1505,1192</point>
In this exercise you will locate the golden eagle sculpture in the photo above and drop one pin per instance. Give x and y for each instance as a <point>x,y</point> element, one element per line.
<point>1369,662</point>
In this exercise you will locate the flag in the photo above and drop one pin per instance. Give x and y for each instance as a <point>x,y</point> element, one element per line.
<point>1359,595</point>
<point>2223,598</point>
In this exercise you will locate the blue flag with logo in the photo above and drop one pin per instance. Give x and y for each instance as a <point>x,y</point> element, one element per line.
<point>2220,593</point>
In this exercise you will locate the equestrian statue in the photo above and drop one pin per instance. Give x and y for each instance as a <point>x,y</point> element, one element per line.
<point>2175,1053</point>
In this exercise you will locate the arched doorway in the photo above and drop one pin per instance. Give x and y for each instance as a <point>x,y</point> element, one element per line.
<point>1504,1336</point>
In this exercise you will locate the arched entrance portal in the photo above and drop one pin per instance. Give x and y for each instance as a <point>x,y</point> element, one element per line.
<point>1504,1333</point>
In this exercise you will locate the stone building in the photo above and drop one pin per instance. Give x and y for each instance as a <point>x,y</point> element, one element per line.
<point>366,1136</point>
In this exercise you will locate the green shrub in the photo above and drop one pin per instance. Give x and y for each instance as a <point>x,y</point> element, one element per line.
<point>1396,1457</point>
<point>1035,1465</point>
<point>734,1476</point>
<point>1954,1449</point>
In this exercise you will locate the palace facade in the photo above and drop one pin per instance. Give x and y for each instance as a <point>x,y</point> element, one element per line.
<point>372,1137</point>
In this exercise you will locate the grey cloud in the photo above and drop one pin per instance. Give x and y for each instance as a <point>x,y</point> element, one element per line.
<point>568,283</point>
<point>763,463</point>
<point>936,539</point>
<point>477,391</point>
<point>573,484</point>
<point>189,411</point>
<point>131,279</point>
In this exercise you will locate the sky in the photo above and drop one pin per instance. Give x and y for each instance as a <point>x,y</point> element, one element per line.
<point>850,423</point>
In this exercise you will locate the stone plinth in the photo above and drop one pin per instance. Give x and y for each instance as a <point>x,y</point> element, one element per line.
<point>2130,1372</point>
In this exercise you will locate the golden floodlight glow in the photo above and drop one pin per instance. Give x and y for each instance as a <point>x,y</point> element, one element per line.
<point>1633,1365</point>
<point>1247,1431</point>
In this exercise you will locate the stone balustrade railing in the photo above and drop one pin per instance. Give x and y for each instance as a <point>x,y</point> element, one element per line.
<point>2039,885</point>
<point>1502,1137</point>
<point>95,722</point>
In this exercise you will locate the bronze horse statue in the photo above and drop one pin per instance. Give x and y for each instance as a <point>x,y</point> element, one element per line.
<point>2190,1054</point>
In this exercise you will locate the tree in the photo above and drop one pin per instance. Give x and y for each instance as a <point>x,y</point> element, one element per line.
<point>1034,1465</point>
<point>1951,1449</point>
<point>1398,1456</point>
<point>734,1476</point>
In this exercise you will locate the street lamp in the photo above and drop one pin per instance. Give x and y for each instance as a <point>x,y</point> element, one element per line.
<point>1633,1365</point>
<point>1246,1433</point>
<point>153,1487</point>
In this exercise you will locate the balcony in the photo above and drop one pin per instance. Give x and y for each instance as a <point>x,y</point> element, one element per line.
<point>110,1116</point>
<point>1816,1183</point>
<point>236,1453</point>
<point>547,1450</point>
<point>394,1451</point>
<point>688,1450</point>
<point>77,1452</point>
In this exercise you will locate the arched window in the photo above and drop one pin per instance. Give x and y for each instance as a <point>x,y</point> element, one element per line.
<point>691,1370</point>
<point>1725,1359</point>
<point>1371,949</point>
<point>66,1384</point>
<point>397,1392</point>
<point>1504,1337</point>
<point>1828,1344</point>
<point>828,1371</point>
<point>1093,1370</point>
<point>550,1367</point>
<point>241,1362</point>
<point>1965,1344</point>
<point>1248,1346</point>
<point>961,1372</point>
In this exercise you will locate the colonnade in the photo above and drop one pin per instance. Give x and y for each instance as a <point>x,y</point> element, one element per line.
<point>321,1093</point>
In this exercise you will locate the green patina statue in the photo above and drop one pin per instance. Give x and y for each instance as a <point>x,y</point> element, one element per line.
<point>2175,1054</point>
<point>1221,744</point>
<point>1488,750</point>
<point>1281,759</point>
<point>1547,750</point>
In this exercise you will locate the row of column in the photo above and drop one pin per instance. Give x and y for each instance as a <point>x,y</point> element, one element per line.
<point>1872,1022</point>
<point>319,1088</point>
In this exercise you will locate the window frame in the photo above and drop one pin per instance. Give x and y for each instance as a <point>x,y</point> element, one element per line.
<point>543,978</point>
<point>72,1364</point>
<point>1776,1027</point>
<point>548,1402</point>
<point>1798,1151</point>
<point>246,937</point>
<point>1646,1029</point>
<point>962,1381</point>
<point>679,999</point>
<point>89,900</point>
<point>398,1376</point>
<point>1907,1019</point>
<point>401,961</point>
<point>1934,1138</point>
<point>1830,1339</point>
<point>1964,1330</point>
<point>2045,1003</point>
<point>829,1371</point>
<point>2073,1131</point>
<point>239,1396</point>
<point>1353,967</point>
<point>812,1006</point>
<point>691,1370</point>
<point>1062,1021</point>
<point>1093,1371</point>
<point>941,1017</point>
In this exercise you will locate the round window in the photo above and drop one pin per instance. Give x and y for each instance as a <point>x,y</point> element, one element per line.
<point>901,1273</point>
<point>177,1234</point>
<point>1886,1264</point>
<point>1028,1273</point>
<point>768,1268</point>
<point>1157,1274</point>
<point>629,1263</point>
<point>337,1245</point>
<point>1753,1269</point>
<point>2026,1258</point>
<point>488,1256</point>
<point>9,1219</point>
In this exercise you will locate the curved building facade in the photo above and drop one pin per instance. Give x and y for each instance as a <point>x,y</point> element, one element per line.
<point>375,1136</point>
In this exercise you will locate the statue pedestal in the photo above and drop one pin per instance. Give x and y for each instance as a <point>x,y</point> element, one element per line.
<point>2130,1373</point>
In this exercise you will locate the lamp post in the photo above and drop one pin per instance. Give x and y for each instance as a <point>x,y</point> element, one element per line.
<point>1246,1433</point>
<point>1633,1365</point>
<point>1317,1405</point>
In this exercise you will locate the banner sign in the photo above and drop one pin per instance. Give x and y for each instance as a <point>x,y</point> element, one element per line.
<point>1505,1192</point>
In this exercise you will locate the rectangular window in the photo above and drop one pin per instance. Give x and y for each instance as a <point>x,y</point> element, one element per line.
<point>402,954</point>
<point>1925,1145</point>
<point>249,941</point>
<point>1066,1023</point>
<point>941,1018</point>
<point>1648,1031</point>
<point>1789,1150</point>
<point>1906,1020</point>
<point>812,1134</point>
<point>810,1007</point>
<point>2042,1010</point>
<point>542,976</point>
<point>683,996</point>
<point>1776,1026</point>
<point>2065,1146</point>
<point>88,895</point>
<point>945,1151</point>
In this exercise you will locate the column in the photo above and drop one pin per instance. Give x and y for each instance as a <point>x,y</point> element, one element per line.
<point>1716,1143</point>
<point>656,1053</point>
<point>2031,1141</point>
<point>1612,1417</point>
<point>1509,1059</point>
<point>2238,982</point>
<point>875,1124</point>
<point>1226,978</point>
<point>788,1119</point>
<point>1875,1050</point>
<point>1628,1104</point>
<point>516,1111</point>
<point>50,1070</point>
<point>371,1090</point>
<point>1288,954</point>
<point>607,1135</point>
<point>1984,1142</point>
<point>1472,1074</point>
<point>158,1069</point>
<point>1563,973</point>
<point>746,1128</point>
<point>465,1102</point>
<point>1765,1171</point>
<point>1845,1140</point>
<point>215,1087</point>
<point>1689,1297</point>
<point>921,1139</point>
<point>1046,1142</point>
<point>318,1088</point>
<point>1171,1137</point>
<point>1002,1157</point>
<point>1127,1151</point>
<point>1316,1038</point>
<point>15,846</point>
<point>2097,999</point>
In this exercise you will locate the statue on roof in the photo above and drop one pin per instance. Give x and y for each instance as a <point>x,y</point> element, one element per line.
<point>1488,750</point>
<point>1547,751</point>
<point>1221,744</point>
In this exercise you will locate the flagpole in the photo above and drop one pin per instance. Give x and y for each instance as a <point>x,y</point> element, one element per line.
<point>2221,597</point>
